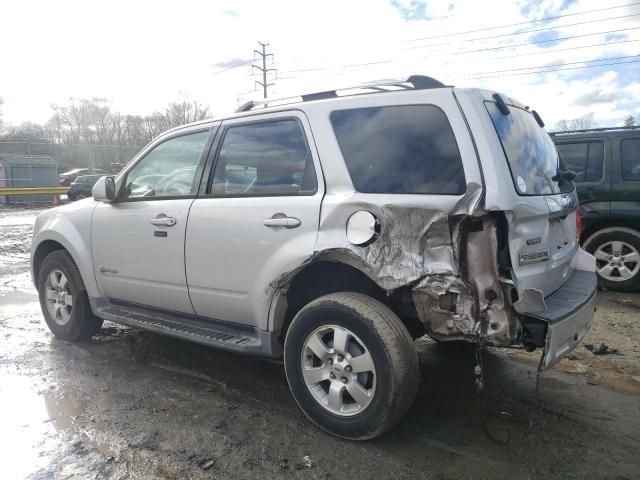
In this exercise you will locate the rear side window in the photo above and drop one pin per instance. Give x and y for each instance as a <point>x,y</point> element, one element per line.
<point>586,159</point>
<point>400,149</point>
<point>630,154</point>
<point>269,158</point>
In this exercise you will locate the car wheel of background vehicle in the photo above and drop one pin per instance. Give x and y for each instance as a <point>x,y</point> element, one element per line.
<point>351,365</point>
<point>63,299</point>
<point>80,196</point>
<point>617,253</point>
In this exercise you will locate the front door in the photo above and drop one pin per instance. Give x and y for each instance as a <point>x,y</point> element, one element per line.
<point>258,218</point>
<point>138,240</point>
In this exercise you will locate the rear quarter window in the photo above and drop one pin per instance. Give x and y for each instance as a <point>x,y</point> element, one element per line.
<point>400,149</point>
<point>586,159</point>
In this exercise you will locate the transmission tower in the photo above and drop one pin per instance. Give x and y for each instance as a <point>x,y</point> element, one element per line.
<point>262,58</point>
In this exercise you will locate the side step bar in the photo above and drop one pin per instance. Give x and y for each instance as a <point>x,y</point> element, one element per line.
<point>187,327</point>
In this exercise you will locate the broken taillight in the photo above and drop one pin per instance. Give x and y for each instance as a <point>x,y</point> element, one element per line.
<point>578,223</point>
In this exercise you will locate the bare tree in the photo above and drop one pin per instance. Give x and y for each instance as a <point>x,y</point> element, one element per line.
<point>580,123</point>
<point>630,121</point>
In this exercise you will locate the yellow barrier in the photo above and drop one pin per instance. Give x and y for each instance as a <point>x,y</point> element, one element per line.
<point>33,190</point>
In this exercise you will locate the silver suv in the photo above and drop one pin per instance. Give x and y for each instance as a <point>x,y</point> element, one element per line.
<point>333,230</point>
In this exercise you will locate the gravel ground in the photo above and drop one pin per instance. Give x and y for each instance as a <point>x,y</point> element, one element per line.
<point>132,404</point>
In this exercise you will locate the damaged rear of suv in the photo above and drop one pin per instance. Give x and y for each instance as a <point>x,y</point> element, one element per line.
<point>334,230</point>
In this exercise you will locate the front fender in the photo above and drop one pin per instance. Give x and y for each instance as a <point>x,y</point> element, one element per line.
<point>71,228</point>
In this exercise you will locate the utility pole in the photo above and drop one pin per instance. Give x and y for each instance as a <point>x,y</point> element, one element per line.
<point>263,54</point>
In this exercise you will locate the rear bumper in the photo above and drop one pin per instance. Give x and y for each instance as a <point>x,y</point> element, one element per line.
<point>567,318</point>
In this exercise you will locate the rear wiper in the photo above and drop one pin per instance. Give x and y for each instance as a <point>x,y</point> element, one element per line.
<point>566,175</point>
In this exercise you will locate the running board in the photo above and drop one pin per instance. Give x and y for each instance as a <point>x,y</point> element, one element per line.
<point>188,327</point>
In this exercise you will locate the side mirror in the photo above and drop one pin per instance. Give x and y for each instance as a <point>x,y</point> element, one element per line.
<point>104,190</point>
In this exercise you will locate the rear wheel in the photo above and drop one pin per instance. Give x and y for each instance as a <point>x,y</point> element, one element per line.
<point>617,253</point>
<point>351,365</point>
<point>63,299</point>
<point>80,196</point>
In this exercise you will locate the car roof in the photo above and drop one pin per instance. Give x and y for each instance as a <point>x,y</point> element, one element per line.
<point>414,82</point>
<point>614,132</point>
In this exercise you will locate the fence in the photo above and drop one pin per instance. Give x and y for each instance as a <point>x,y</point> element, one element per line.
<point>74,155</point>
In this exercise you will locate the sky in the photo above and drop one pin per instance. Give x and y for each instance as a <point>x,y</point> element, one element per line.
<point>143,54</point>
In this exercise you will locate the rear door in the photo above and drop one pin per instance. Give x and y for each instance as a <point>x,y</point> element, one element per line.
<point>590,159</point>
<point>257,217</point>
<point>625,195</point>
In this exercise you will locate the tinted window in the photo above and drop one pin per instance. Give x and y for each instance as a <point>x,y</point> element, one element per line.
<point>168,170</point>
<point>532,155</point>
<point>630,154</point>
<point>585,159</point>
<point>270,158</point>
<point>400,149</point>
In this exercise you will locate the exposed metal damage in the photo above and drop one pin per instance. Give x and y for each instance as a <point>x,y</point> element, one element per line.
<point>447,262</point>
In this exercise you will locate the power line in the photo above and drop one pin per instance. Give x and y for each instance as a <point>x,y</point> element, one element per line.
<point>548,68</point>
<point>538,42</point>
<point>232,67</point>
<point>523,33</point>
<point>484,29</point>
<point>553,70</point>
<point>385,61</point>
<point>555,65</point>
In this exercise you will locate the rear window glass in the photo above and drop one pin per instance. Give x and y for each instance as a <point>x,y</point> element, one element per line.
<point>585,159</point>
<point>400,149</point>
<point>630,153</point>
<point>532,155</point>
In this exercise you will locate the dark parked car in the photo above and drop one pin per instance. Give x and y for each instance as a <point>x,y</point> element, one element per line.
<point>66,178</point>
<point>607,166</point>
<point>81,187</point>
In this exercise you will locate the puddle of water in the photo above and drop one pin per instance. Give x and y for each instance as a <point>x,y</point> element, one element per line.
<point>29,419</point>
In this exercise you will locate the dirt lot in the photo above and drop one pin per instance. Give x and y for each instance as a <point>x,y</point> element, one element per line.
<point>131,404</point>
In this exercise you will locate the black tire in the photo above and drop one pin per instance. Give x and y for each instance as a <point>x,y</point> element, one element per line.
<point>390,346</point>
<point>80,196</point>
<point>82,324</point>
<point>626,235</point>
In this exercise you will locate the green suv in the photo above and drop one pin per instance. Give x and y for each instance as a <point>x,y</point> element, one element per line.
<point>607,166</point>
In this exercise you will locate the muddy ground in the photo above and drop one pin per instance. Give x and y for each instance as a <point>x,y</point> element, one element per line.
<point>131,404</point>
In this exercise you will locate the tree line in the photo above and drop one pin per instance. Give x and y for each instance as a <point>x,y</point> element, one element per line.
<point>93,121</point>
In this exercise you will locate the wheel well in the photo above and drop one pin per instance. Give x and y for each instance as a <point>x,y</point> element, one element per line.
<point>324,277</point>
<point>605,223</point>
<point>44,249</point>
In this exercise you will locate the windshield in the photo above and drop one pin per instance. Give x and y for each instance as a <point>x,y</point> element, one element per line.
<point>532,156</point>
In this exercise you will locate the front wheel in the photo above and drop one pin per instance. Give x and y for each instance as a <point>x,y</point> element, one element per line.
<point>63,299</point>
<point>351,365</point>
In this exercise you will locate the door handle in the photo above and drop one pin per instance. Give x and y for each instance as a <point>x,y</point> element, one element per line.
<point>282,222</point>
<point>163,221</point>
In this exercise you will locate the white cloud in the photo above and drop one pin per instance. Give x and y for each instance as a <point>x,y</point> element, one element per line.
<point>142,54</point>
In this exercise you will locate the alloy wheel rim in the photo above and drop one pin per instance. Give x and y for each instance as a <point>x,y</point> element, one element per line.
<point>58,297</point>
<point>338,370</point>
<point>617,261</point>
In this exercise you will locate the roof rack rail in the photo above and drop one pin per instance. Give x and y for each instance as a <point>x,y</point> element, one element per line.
<point>414,82</point>
<point>588,130</point>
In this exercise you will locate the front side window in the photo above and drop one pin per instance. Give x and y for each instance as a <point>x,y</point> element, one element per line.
<point>630,154</point>
<point>268,158</point>
<point>168,170</point>
<point>530,152</point>
<point>586,159</point>
<point>400,149</point>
